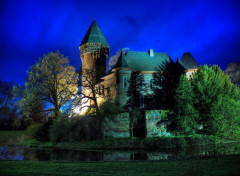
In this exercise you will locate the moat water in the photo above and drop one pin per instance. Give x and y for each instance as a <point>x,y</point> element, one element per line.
<point>20,153</point>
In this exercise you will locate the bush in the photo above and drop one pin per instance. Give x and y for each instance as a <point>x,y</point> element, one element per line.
<point>78,130</point>
<point>84,128</point>
<point>33,128</point>
<point>59,130</point>
<point>42,134</point>
<point>109,107</point>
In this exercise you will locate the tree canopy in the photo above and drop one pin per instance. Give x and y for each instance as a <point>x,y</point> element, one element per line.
<point>186,115</point>
<point>217,101</point>
<point>51,80</point>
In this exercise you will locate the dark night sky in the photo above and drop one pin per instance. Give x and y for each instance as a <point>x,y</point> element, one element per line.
<point>209,29</point>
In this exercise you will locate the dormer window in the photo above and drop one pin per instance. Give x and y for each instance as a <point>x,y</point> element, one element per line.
<point>151,53</point>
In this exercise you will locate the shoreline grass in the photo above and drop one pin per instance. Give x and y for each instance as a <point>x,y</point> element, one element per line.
<point>23,138</point>
<point>131,143</point>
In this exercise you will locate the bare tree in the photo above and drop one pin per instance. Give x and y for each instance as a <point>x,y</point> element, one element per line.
<point>91,92</point>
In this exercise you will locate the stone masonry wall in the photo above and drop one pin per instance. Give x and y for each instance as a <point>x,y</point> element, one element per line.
<point>153,125</point>
<point>117,126</point>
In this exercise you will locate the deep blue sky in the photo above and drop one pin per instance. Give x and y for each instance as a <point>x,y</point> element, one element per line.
<point>209,29</point>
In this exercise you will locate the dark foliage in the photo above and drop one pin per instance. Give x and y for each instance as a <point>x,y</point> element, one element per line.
<point>165,83</point>
<point>233,70</point>
<point>42,134</point>
<point>135,91</point>
<point>75,129</point>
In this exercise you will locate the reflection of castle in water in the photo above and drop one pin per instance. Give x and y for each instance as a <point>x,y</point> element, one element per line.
<point>19,153</point>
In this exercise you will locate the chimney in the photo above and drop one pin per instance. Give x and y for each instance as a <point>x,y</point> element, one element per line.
<point>151,53</point>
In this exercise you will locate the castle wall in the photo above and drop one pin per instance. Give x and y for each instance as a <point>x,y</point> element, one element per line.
<point>107,89</point>
<point>121,91</point>
<point>189,73</point>
<point>153,123</point>
<point>117,126</point>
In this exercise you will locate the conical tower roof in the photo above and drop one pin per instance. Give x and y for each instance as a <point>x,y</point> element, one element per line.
<point>121,61</point>
<point>188,61</point>
<point>180,64</point>
<point>94,35</point>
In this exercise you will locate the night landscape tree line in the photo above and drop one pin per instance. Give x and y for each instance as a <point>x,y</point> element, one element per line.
<point>209,103</point>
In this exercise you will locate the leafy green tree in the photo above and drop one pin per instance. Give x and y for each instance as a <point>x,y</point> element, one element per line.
<point>32,109</point>
<point>51,80</point>
<point>186,115</point>
<point>217,101</point>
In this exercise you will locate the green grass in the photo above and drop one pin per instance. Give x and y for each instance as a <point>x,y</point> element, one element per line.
<point>130,143</point>
<point>12,137</point>
<point>221,166</point>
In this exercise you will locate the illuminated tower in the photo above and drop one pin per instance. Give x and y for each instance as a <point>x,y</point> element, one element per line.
<point>94,51</point>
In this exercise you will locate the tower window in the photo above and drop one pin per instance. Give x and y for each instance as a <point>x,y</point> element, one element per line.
<point>124,82</point>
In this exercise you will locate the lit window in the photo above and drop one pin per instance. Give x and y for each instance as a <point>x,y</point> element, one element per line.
<point>99,90</point>
<point>103,90</point>
<point>108,92</point>
<point>124,82</point>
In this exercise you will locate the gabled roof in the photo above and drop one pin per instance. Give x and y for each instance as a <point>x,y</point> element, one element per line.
<point>188,61</point>
<point>94,35</point>
<point>143,61</point>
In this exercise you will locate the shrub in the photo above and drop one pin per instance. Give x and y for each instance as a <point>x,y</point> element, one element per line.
<point>109,107</point>
<point>42,134</point>
<point>84,128</point>
<point>33,128</point>
<point>59,130</point>
<point>78,130</point>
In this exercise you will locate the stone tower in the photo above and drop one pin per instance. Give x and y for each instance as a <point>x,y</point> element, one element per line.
<point>94,51</point>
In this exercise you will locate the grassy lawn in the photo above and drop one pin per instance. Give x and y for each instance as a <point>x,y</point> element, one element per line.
<point>223,165</point>
<point>13,136</point>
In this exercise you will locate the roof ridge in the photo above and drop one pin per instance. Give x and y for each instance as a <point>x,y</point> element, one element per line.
<point>146,52</point>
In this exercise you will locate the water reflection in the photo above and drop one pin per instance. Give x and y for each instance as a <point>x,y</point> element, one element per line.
<point>19,153</point>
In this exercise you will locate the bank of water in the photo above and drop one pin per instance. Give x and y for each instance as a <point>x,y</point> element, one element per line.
<point>47,154</point>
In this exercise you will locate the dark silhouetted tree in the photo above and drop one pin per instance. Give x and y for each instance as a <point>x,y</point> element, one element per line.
<point>135,91</point>
<point>165,82</point>
<point>233,70</point>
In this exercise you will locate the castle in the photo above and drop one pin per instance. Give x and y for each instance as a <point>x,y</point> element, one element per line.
<point>94,52</point>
